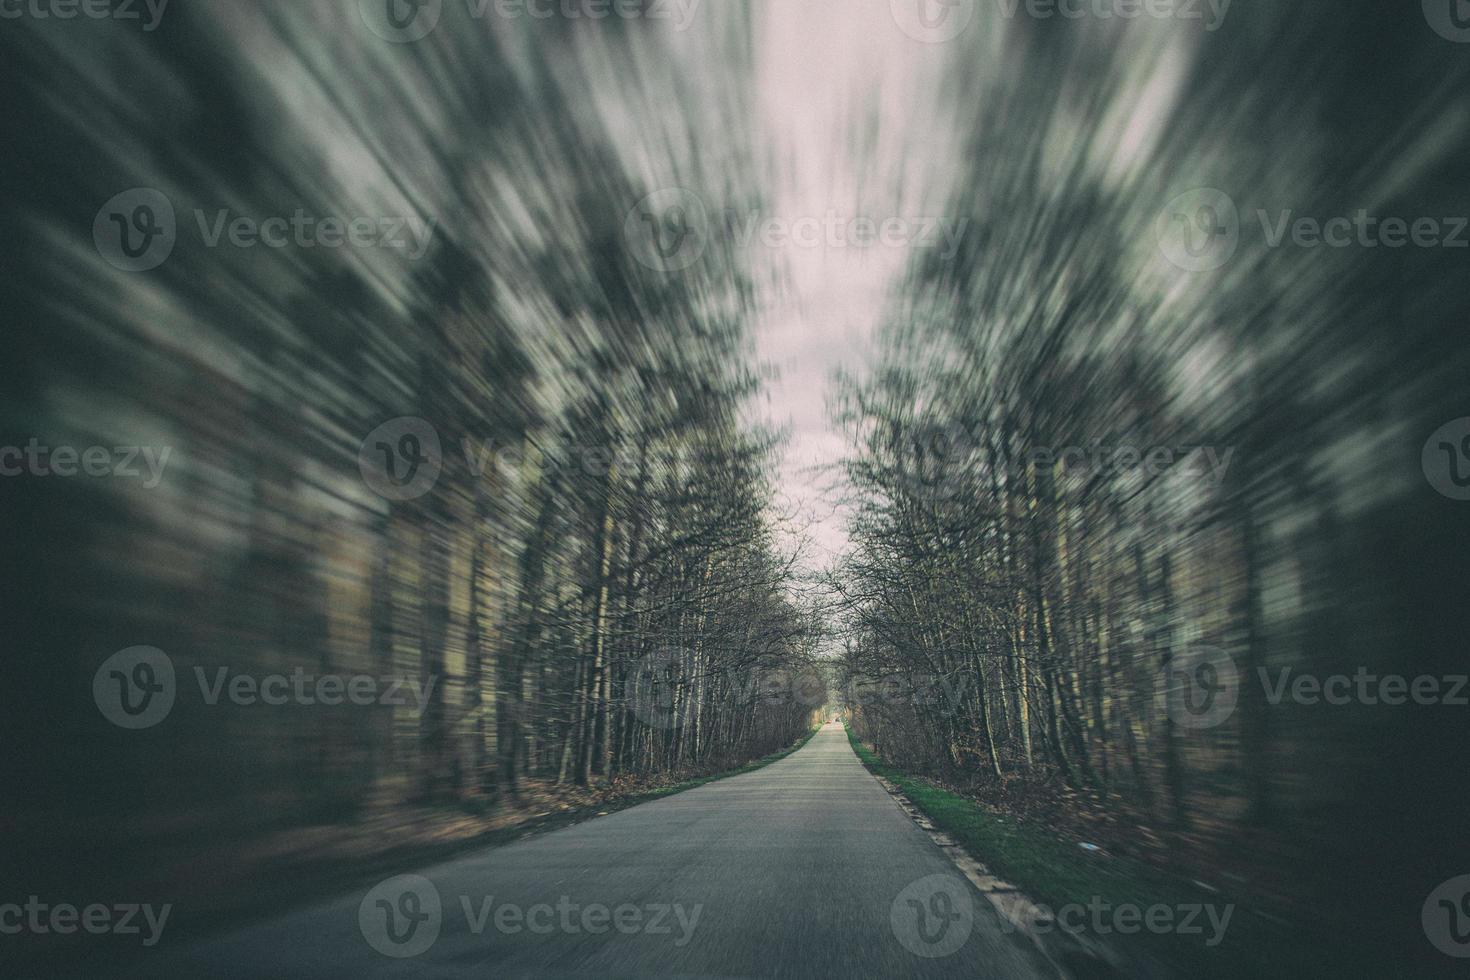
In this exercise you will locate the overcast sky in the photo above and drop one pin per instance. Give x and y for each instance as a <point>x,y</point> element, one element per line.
<point>849,104</point>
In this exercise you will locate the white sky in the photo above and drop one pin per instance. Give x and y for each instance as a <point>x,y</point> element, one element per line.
<point>849,108</point>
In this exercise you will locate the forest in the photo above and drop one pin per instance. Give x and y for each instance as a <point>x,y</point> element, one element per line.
<point>392,451</point>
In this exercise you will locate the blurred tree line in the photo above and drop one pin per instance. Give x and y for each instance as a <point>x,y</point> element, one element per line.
<point>602,512</point>
<point>1037,607</point>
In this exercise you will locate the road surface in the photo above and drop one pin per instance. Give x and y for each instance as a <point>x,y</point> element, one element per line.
<point>805,868</point>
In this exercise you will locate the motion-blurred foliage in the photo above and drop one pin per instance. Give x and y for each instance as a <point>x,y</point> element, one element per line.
<point>604,504</point>
<point>600,502</point>
<point>1058,591</point>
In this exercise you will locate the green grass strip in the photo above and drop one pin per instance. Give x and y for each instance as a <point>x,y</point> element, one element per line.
<point>1056,872</point>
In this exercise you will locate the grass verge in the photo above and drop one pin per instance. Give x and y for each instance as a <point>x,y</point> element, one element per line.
<point>1057,872</point>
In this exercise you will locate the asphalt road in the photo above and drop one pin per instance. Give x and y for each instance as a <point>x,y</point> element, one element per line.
<point>805,868</point>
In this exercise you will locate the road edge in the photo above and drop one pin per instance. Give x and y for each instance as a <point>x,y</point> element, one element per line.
<point>1065,952</point>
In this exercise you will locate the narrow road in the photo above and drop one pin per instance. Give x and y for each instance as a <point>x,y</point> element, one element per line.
<point>805,868</point>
